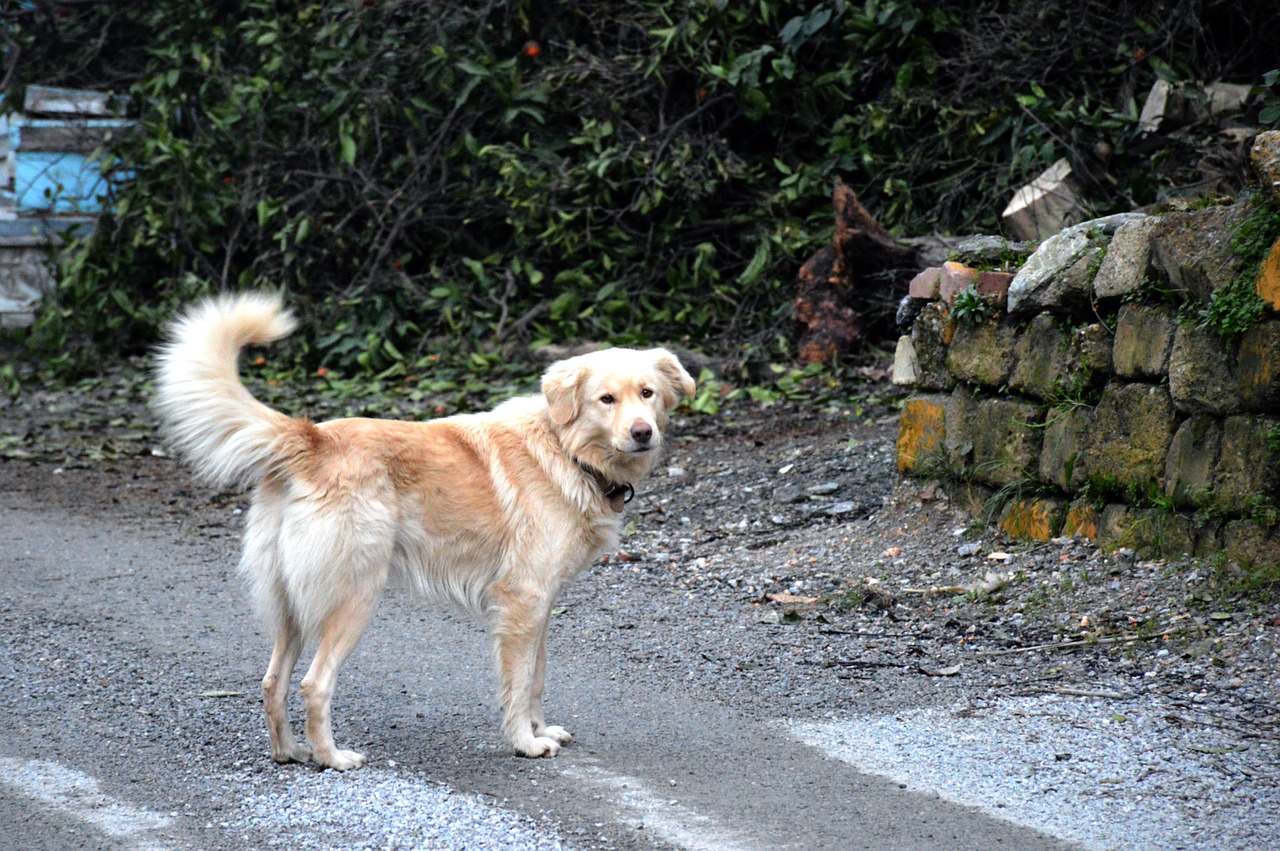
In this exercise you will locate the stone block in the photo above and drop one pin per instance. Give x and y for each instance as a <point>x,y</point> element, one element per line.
<point>983,354</point>
<point>929,337</point>
<point>998,442</point>
<point>1039,356</point>
<point>1132,429</point>
<point>1149,532</point>
<point>1054,363</point>
<point>1201,379</point>
<point>1055,255</point>
<point>1065,434</point>
<point>1193,459</point>
<point>1081,521</point>
<point>906,369</point>
<point>1037,519</point>
<point>991,250</point>
<point>1258,367</point>
<point>1268,281</point>
<point>1128,260</point>
<point>1193,250</point>
<point>921,431</point>
<point>1091,349</point>
<point>1144,337</point>
<point>961,417</point>
<point>1250,544</point>
<point>1248,467</point>
<point>925,284</point>
<point>1264,156</point>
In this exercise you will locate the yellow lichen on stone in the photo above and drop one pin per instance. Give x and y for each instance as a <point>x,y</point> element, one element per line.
<point>920,431</point>
<point>1268,283</point>
<point>1082,521</point>
<point>1032,519</point>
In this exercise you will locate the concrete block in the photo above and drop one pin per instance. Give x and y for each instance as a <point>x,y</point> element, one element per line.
<point>1044,206</point>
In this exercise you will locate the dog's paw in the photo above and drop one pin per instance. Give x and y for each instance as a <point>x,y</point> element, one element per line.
<point>560,734</point>
<point>341,760</point>
<point>295,752</point>
<point>538,746</point>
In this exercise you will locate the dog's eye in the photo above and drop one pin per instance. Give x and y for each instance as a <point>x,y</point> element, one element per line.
<point>646,393</point>
<point>607,399</point>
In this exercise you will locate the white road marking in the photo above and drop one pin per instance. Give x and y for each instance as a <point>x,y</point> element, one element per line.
<point>1102,775</point>
<point>77,795</point>
<point>665,817</point>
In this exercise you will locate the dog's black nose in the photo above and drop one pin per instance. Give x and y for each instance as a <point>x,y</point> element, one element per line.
<point>641,432</point>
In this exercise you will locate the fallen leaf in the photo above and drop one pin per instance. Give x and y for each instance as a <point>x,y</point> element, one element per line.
<point>788,597</point>
<point>893,552</point>
<point>949,671</point>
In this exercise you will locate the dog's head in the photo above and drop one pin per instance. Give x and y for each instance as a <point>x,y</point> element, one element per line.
<point>610,407</point>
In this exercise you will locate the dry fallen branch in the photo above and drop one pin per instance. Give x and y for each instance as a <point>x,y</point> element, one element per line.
<point>1084,642</point>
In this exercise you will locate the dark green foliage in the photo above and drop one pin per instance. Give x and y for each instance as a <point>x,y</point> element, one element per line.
<point>432,176</point>
<point>1237,307</point>
<point>970,308</point>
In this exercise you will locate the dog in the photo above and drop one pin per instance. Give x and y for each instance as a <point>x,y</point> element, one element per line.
<point>496,511</point>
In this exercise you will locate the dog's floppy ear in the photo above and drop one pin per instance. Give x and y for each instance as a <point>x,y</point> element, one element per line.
<point>562,386</point>
<point>679,382</point>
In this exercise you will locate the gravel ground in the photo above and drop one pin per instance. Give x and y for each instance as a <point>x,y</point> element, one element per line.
<point>787,568</point>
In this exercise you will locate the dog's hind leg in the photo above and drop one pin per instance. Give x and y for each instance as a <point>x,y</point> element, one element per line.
<point>275,693</point>
<point>538,715</point>
<point>340,631</point>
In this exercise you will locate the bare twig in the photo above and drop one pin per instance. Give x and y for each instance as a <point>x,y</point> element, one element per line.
<point>1085,642</point>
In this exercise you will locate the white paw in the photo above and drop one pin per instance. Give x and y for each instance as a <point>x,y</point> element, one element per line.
<point>537,746</point>
<point>292,753</point>
<point>341,760</point>
<point>560,734</point>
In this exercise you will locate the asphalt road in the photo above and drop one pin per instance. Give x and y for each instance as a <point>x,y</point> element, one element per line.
<point>130,671</point>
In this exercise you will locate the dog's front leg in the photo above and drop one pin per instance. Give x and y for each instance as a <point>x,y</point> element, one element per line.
<point>519,626</point>
<point>538,716</point>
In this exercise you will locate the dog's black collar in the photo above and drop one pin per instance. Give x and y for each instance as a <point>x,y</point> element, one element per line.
<point>617,494</point>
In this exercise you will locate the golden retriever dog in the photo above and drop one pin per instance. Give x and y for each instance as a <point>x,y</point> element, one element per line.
<point>496,511</point>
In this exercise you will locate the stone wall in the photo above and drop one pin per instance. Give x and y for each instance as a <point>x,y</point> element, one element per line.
<point>1085,395</point>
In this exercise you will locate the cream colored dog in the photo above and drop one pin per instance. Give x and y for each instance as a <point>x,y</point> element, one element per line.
<point>496,510</point>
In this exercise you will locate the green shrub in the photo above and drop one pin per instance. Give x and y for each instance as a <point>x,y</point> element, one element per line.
<point>446,176</point>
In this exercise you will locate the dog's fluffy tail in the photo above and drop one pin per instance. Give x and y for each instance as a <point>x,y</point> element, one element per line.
<point>206,414</point>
